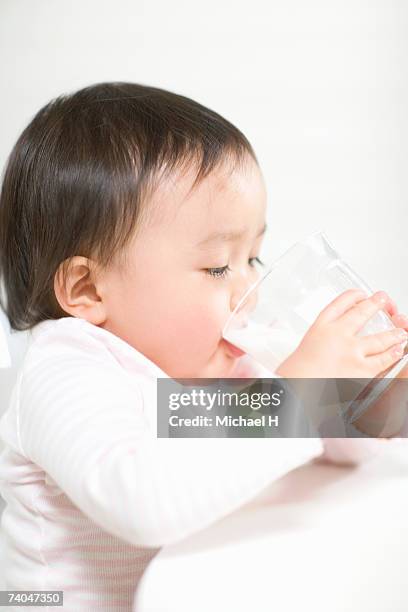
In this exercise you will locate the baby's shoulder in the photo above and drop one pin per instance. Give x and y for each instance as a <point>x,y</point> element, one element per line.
<point>73,343</point>
<point>71,360</point>
<point>65,339</point>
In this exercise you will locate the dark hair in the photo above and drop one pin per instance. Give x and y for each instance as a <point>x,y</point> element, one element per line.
<point>76,178</point>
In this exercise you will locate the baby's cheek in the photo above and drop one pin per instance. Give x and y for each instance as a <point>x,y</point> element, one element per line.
<point>203,324</point>
<point>205,321</point>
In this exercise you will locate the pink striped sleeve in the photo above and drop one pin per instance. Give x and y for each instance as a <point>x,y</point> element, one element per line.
<point>83,420</point>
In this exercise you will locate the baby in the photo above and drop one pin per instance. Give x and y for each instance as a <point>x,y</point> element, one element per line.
<point>131,222</point>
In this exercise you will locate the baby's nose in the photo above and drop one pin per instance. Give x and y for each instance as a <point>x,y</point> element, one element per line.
<point>244,291</point>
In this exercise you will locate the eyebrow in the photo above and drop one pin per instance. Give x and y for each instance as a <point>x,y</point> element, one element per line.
<point>227,236</point>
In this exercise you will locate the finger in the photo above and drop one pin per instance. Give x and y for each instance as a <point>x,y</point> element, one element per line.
<point>403,373</point>
<point>357,316</point>
<point>378,343</point>
<point>400,320</point>
<point>391,307</point>
<point>340,305</point>
<point>382,361</point>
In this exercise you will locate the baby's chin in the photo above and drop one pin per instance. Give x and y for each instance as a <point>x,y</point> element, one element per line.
<point>223,365</point>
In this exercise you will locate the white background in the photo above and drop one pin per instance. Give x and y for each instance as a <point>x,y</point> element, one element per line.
<point>318,87</point>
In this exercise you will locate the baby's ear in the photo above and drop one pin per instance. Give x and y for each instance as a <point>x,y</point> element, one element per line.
<point>75,287</point>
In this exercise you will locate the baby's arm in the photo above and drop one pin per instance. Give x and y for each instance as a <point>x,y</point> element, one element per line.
<point>83,420</point>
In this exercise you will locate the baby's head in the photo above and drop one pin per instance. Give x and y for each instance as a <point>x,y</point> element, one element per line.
<point>138,210</point>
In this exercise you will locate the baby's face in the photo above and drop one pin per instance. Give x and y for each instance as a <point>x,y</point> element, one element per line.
<point>172,298</point>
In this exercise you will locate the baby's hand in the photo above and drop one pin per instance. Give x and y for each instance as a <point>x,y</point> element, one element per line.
<point>331,349</point>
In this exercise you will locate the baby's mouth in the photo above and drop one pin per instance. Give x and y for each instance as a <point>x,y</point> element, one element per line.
<point>231,349</point>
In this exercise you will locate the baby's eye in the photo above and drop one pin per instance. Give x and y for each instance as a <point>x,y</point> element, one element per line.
<point>218,272</point>
<point>222,272</point>
<point>256,259</point>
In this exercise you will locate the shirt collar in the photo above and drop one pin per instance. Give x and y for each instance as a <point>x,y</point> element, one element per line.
<point>126,354</point>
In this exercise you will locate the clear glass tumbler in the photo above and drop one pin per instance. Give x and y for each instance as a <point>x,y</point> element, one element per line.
<point>274,314</point>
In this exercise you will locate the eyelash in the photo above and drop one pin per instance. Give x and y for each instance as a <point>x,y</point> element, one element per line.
<point>223,271</point>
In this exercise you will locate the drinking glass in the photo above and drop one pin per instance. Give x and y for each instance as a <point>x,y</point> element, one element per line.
<point>274,314</point>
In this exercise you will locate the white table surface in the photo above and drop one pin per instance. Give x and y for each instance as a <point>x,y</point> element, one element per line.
<point>323,538</point>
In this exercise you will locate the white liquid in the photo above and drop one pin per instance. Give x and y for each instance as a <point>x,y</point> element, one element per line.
<point>315,301</point>
<point>272,344</point>
<point>268,345</point>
